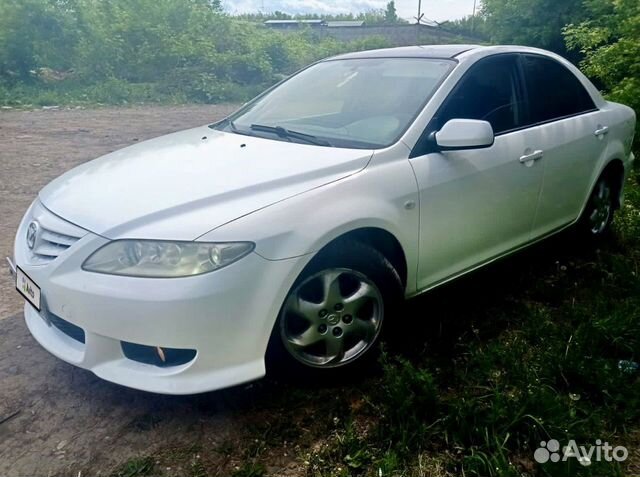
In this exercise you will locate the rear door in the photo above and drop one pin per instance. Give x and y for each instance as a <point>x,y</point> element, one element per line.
<point>572,136</point>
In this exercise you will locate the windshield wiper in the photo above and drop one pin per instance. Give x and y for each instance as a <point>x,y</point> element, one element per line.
<point>289,134</point>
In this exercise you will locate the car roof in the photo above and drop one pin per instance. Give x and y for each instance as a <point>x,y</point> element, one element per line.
<point>421,51</point>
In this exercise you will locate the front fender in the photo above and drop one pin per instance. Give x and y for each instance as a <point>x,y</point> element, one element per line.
<point>380,196</point>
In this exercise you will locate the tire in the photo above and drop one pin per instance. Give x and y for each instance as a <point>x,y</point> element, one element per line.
<point>330,324</point>
<point>595,222</point>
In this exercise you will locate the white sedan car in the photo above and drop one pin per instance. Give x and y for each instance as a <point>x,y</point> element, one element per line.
<point>293,230</point>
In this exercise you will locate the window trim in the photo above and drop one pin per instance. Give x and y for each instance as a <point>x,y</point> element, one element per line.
<point>526,90</point>
<point>423,145</point>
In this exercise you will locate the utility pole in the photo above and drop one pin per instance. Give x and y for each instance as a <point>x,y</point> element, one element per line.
<point>473,18</point>
<point>420,14</point>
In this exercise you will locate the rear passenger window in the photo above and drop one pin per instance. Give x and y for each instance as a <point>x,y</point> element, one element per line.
<point>553,91</point>
<point>489,91</point>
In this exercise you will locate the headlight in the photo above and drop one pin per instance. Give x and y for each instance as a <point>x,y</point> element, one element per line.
<point>159,259</point>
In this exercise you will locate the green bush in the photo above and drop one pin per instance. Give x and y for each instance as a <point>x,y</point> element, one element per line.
<point>610,43</point>
<point>66,51</point>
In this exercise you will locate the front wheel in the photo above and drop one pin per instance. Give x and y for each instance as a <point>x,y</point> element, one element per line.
<point>333,315</point>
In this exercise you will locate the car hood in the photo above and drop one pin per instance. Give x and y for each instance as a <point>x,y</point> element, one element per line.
<point>180,186</point>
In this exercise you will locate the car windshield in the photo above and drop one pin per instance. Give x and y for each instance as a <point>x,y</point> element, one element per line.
<point>351,103</point>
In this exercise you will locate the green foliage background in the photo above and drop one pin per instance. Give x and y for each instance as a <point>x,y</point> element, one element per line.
<point>120,51</point>
<point>609,40</point>
<point>117,51</point>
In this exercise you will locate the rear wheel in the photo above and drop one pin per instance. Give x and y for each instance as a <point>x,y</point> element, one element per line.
<point>598,215</point>
<point>332,317</point>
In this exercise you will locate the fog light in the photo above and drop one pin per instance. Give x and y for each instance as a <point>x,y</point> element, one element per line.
<point>162,357</point>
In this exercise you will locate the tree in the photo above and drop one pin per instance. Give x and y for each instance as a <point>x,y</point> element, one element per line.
<point>531,22</point>
<point>35,34</point>
<point>610,44</point>
<point>470,26</point>
<point>390,14</point>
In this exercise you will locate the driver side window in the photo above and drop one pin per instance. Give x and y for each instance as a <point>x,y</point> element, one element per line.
<point>489,91</point>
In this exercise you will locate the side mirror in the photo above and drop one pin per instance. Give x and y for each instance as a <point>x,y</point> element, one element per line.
<point>460,134</point>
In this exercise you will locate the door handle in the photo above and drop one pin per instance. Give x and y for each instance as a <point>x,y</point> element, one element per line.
<point>534,156</point>
<point>601,131</point>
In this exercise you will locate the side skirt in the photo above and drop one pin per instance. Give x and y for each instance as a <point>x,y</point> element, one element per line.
<point>492,259</point>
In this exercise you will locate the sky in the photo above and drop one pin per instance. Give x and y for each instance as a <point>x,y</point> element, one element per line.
<point>438,10</point>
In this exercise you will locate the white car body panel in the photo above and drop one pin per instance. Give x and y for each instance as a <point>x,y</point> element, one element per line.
<point>124,194</point>
<point>230,340</point>
<point>384,189</point>
<point>450,212</point>
<point>464,216</point>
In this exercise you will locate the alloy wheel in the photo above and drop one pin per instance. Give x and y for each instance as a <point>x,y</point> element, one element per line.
<point>601,208</point>
<point>331,318</point>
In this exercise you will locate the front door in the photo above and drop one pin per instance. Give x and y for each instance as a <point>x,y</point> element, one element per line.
<point>477,204</point>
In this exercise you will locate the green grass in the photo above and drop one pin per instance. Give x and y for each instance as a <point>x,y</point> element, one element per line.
<point>520,353</point>
<point>137,467</point>
<point>250,469</point>
<point>118,92</point>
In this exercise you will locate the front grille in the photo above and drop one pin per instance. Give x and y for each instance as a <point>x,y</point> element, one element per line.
<point>69,329</point>
<point>54,235</point>
<point>149,355</point>
<point>50,244</point>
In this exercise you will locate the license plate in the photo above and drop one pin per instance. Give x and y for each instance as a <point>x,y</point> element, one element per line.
<point>27,288</point>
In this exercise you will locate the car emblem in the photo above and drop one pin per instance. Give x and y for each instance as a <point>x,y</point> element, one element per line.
<point>32,233</point>
<point>333,319</point>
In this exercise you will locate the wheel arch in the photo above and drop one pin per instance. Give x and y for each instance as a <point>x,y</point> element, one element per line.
<point>616,171</point>
<point>381,240</point>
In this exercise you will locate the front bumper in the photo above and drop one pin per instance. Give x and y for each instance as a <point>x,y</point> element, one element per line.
<point>225,316</point>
